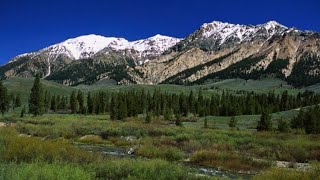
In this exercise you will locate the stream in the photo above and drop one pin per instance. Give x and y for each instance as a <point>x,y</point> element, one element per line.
<point>121,152</point>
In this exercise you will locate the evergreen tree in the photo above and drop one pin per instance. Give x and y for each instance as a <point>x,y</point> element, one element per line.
<point>64,103</point>
<point>54,105</point>
<point>178,120</point>
<point>250,104</point>
<point>113,108</point>
<point>205,125</point>
<point>80,99</point>
<point>297,122</point>
<point>47,101</point>
<point>233,122</point>
<point>311,120</point>
<point>122,107</point>
<point>3,98</point>
<point>23,111</point>
<point>167,113</point>
<point>191,103</point>
<point>284,101</point>
<point>265,123</point>
<point>11,102</point>
<point>283,126</point>
<point>90,103</point>
<point>200,103</point>
<point>18,101</point>
<point>74,105</point>
<point>36,100</point>
<point>183,106</point>
<point>148,118</point>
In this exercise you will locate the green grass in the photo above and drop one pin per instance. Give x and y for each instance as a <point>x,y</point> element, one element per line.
<point>243,122</point>
<point>40,170</point>
<point>280,174</point>
<point>162,139</point>
<point>23,86</point>
<point>33,158</point>
<point>259,86</point>
<point>164,147</point>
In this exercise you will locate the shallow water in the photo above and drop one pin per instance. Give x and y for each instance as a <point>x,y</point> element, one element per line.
<point>110,150</point>
<point>221,173</point>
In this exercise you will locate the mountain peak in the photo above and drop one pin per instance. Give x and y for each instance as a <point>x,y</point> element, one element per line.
<point>273,24</point>
<point>157,36</point>
<point>226,32</point>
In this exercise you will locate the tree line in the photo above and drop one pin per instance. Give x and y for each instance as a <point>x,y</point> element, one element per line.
<point>120,105</point>
<point>308,120</point>
<point>8,101</point>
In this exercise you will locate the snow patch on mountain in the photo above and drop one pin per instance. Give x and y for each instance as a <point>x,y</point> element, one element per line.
<point>223,31</point>
<point>88,45</point>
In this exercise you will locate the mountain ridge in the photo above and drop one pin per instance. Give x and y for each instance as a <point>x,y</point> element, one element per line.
<point>160,59</point>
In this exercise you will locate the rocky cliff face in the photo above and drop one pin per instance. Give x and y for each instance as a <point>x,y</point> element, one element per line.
<point>220,50</point>
<point>216,50</point>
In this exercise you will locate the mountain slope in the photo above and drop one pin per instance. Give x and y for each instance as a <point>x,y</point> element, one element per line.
<point>221,51</point>
<point>217,50</point>
<point>53,58</point>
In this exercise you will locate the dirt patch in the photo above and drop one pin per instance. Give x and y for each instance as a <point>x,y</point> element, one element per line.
<point>2,124</point>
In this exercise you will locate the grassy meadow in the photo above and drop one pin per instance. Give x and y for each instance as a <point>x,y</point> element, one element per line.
<point>72,146</point>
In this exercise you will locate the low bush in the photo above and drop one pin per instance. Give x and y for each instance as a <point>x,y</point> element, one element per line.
<point>91,139</point>
<point>26,149</point>
<point>280,174</point>
<point>163,152</point>
<point>226,160</point>
<point>141,169</point>
<point>40,170</point>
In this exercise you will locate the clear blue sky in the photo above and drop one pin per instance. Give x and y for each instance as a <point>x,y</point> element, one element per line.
<point>29,25</point>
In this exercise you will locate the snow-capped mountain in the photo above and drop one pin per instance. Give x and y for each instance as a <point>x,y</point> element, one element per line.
<point>217,35</point>
<point>240,33</point>
<point>215,50</point>
<point>88,45</point>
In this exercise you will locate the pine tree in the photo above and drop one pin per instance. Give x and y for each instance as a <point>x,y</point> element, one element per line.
<point>80,99</point>
<point>3,98</point>
<point>11,102</point>
<point>297,122</point>
<point>200,104</point>
<point>167,113</point>
<point>265,123</point>
<point>283,126</point>
<point>90,103</point>
<point>148,118</point>
<point>74,105</point>
<point>64,103</point>
<point>122,107</point>
<point>233,122</point>
<point>58,102</point>
<point>113,107</point>
<point>183,106</point>
<point>54,105</point>
<point>205,125</point>
<point>250,104</point>
<point>47,101</point>
<point>23,111</point>
<point>178,120</point>
<point>284,101</point>
<point>191,103</point>
<point>36,100</point>
<point>18,101</point>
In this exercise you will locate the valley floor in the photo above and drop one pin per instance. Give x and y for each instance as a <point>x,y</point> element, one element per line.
<point>95,147</point>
